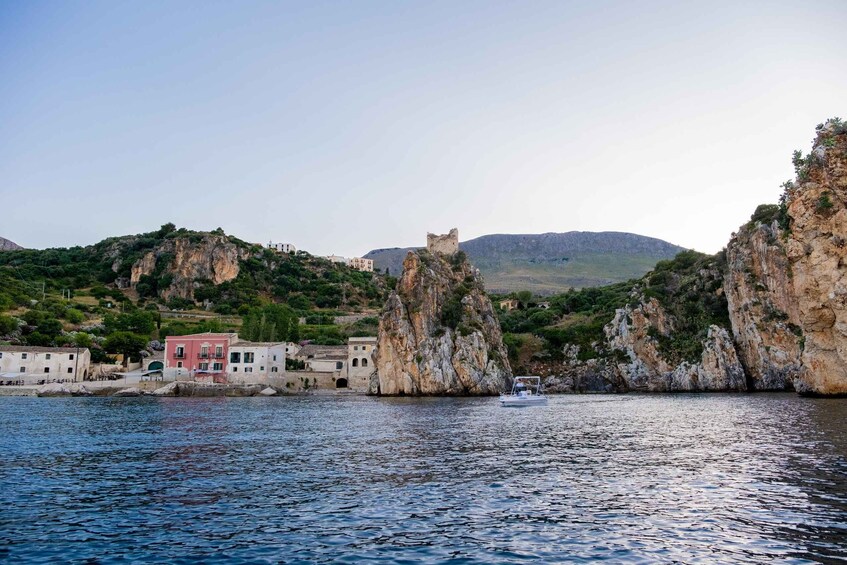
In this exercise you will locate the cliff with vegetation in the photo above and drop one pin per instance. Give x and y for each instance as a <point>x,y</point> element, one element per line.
<point>767,313</point>
<point>438,334</point>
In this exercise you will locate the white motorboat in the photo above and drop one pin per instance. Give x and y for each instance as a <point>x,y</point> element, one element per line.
<point>526,391</point>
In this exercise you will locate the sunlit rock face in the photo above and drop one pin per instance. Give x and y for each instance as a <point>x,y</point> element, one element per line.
<point>763,309</point>
<point>817,206</point>
<point>187,260</point>
<point>438,334</point>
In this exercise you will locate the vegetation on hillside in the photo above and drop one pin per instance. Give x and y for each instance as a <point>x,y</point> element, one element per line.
<point>686,286</point>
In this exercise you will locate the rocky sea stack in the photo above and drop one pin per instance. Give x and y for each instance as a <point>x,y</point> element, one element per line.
<point>438,333</point>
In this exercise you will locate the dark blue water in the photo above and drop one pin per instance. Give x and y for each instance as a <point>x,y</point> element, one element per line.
<point>626,478</point>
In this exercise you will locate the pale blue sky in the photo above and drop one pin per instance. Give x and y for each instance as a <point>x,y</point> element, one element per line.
<point>347,126</point>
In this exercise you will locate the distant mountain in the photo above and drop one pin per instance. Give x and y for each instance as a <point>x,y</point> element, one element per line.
<point>6,245</point>
<point>551,262</point>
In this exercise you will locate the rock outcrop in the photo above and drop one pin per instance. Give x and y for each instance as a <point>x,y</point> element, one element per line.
<point>763,310</point>
<point>438,334</point>
<point>187,260</point>
<point>637,332</point>
<point>6,245</point>
<point>817,256</point>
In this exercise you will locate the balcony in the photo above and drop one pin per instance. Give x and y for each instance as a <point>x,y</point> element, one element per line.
<point>179,355</point>
<point>202,355</point>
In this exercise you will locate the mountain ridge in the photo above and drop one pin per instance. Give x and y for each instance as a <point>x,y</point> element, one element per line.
<point>8,245</point>
<point>551,262</point>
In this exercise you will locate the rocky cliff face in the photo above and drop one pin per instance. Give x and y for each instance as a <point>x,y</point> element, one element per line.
<point>637,332</point>
<point>762,307</point>
<point>6,245</point>
<point>186,260</point>
<point>438,334</point>
<point>817,256</point>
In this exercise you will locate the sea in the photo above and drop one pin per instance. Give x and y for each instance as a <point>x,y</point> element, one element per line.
<point>682,478</point>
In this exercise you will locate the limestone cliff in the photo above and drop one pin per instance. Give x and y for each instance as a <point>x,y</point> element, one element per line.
<point>817,256</point>
<point>186,260</point>
<point>438,334</point>
<point>638,333</point>
<point>763,310</point>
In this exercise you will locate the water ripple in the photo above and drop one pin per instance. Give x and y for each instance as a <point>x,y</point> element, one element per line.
<point>640,479</point>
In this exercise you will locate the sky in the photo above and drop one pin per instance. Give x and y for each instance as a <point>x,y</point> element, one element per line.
<point>343,127</point>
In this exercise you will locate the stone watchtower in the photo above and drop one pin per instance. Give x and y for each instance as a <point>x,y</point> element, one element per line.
<point>444,244</point>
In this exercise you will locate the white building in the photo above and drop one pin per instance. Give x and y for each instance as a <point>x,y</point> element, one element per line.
<point>292,349</point>
<point>337,259</point>
<point>255,362</point>
<point>361,264</point>
<point>282,247</point>
<point>39,365</point>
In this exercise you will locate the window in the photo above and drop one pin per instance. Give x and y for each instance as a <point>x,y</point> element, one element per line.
<point>355,348</point>
<point>180,352</point>
<point>71,356</point>
<point>364,348</point>
<point>235,357</point>
<point>262,368</point>
<point>47,356</point>
<point>248,357</point>
<point>219,351</point>
<point>274,357</point>
<point>23,370</point>
<point>70,370</point>
<point>235,369</point>
<point>1,354</point>
<point>204,366</point>
<point>23,355</point>
<point>364,362</point>
<point>273,370</point>
<point>248,369</point>
<point>46,369</point>
<point>204,352</point>
<point>339,365</point>
<point>355,362</point>
<point>218,367</point>
<point>179,364</point>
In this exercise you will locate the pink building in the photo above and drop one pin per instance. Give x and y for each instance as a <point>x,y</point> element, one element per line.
<point>198,356</point>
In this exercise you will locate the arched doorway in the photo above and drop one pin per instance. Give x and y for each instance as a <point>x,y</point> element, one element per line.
<point>341,383</point>
<point>156,366</point>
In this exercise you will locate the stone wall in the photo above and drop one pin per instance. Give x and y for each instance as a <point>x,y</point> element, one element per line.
<point>447,244</point>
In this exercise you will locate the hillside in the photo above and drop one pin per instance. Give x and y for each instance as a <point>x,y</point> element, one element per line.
<point>6,245</point>
<point>551,262</point>
<point>185,281</point>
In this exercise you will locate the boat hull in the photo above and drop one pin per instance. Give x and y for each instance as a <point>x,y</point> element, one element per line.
<point>518,402</point>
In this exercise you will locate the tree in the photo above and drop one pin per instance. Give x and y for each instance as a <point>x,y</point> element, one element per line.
<point>271,322</point>
<point>126,343</point>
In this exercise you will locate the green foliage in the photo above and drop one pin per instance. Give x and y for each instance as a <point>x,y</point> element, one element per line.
<point>765,214</point>
<point>74,316</point>
<point>126,343</point>
<point>7,325</point>
<point>294,365</point>
<point>272,322</point>
<point>824,203</point>
<point>141,322</point>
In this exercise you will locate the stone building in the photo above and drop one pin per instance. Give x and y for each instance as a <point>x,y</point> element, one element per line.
<point>360,363</point>
<point>447,244</point>
<point>39,365</point>
<point>361,264</point>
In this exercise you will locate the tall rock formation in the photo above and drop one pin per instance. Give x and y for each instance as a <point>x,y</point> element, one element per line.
<point>817,256</point>
<point>438,334</point>
<point>763,309</point>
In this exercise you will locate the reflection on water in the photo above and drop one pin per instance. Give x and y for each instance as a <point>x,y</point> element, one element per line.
<point>626,478</point>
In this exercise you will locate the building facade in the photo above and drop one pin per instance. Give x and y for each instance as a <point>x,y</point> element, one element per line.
<point>282,247</point>
<point>360,364</point>
<point>255,362</point>
<point>199,356</point>
<point>361,264</point>
<point>41,365</point>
